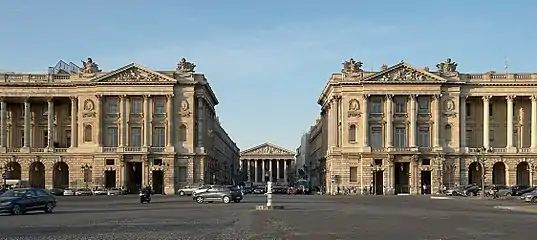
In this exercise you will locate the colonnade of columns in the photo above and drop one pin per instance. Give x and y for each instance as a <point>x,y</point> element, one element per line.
<point>263,170</point>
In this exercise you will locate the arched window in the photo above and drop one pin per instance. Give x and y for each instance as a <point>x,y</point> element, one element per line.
<point>352,133</point>
<point>88,133</point>
<point>447,134</point>
<point>182,133</point>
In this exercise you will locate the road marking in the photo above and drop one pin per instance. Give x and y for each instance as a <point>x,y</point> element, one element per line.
<point>505,207</point>
<point>441,198</point>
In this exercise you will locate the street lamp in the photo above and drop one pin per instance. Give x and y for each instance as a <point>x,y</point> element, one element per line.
<point>481,164</point>
<point>450,170</point>
<point>375,168</point>
<point>85,169</point>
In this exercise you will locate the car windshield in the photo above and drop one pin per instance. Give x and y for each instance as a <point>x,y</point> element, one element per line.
<point>13,193</point>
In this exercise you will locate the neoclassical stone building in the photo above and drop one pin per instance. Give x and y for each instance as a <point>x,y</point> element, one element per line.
<point>267,162</point>
<point>403,127</point>
<point>130,127</point>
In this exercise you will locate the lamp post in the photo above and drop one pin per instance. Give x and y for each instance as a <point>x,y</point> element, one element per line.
<point>374,168</point>
<point>481,164</point>
<point>85,169</point>
<point>450,170</point>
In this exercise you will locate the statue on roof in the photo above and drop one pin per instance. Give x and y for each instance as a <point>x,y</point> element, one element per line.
<point>447,66</point>
<point>90,66</point>
<point>185,66</point>
<point>352,66</point>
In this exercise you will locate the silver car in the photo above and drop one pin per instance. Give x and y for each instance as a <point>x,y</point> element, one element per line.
<point>530,197</point>
<point>114,191</point>
<point>68,192</point>
<point>187,190</point>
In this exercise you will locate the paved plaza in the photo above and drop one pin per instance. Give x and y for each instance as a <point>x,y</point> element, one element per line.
<point>305,217</point>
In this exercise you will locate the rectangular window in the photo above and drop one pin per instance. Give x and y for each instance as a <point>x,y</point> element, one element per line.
<point>376,105</point>
<point>68,138</point>
<point>424,137</point>
<point>136,105</point>
<point>426,162</point>
<point>22,136</point>
<point>376,137</point>
<point>135,138</point>
<point>400,137</point>
<point>159,136</point>
<point>491,135</point>
<point>112,137</point>
<point>468,110</point>
<point>400,105</point>
<point>491,113</point>
<point>45,138</point>
<point>112,105</point>
<point>110,162</point>
<point>469,138</point>
<point>423,105</point>
<point>353,174</point>
<point>159,105</point>
<point>182,174</point>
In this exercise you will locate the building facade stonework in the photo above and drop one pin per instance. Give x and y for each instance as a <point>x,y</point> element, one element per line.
<point>399,129</point>
<point>268,162</point>
<point>130,127</point>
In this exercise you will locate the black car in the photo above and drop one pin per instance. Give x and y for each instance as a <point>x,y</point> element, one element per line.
<point>219,193</point>
<point>21,200</point>
<point>520,190</point>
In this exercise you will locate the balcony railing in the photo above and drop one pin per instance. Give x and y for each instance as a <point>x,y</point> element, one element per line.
<point>109,149</point>
<point>13,150</point>
<point>524,150</point>
<point>133,149</point>
<point>60,150</point>
<point>158,149</point>
<point>37,149</point>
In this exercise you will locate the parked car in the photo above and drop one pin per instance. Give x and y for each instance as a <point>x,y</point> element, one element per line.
<point>523,196</point>
<point>530,197</point>
<point>187,190</point>
<point>472,190</point>
<point>259,190</point>
<point>521,190</point>
<point>219,193</point>
<point>22,200</point>
<point>68,192</point>
<point>56,191</point>
<point>83,192</point>
<point>114,191</point>
<point>457,191</point>
<point>100,191</point>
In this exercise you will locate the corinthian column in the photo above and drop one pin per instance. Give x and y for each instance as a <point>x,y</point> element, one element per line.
<point>510,123</point>
<point>27,123</point>
<point>365,120</point>
<point>74,113</point>
<point>389,121</point>
<point>50,125</point>
<point>3,123</point>
<point>413,120</point>
<point>534,123</point>
<point>169,120</point>
<point>437,119</point>
<point>486,127</point>
<point>123,121</point>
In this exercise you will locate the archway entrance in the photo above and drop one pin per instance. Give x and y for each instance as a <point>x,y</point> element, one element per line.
<point>474,173</point>
<point>13,171</point>
<point>134,176</point>
<point>37,175</point>
<point>498,174</point>
<point>402,179</point>
<point>110,179</point>
<point>60,175</point>
<point>523,174</point>
<point>426,177</point>
<point>378,183</point>
<point>158,181</point>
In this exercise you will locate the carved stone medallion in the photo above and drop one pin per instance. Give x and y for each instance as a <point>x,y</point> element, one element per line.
<point>184,105</point>
<point>450,109</point>
<point>89,109</point>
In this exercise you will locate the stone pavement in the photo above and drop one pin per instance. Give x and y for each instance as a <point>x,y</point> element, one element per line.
<point>305,217</point>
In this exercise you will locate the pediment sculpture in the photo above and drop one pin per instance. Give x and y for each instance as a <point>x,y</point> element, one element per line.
<point>407,75</point>
<point>447,67</point>
<point>352,66</point>
<point>268,150</point>
<point>134,75</point>
<point>185,66</point>
<point>89,68</point>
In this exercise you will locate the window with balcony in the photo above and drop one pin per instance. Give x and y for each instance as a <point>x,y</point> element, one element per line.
<point>112,137</point>
<point>159,105</point>
<point>424,139</point>
<point>159,136</point>
<point>376,137</point>
<point>44,142</point>
<point>68,138</point>
<point>352,133</point>
<point>400,105</point>
<point>375,105</point>
<point>423,105</point>
<point>491,108</point>
<point>400,136</point>
<point>136,105</point>
<point>112,105</point>
<point>135,138</point>
<point>469,138</point>
<point>353,174</point>
<point>22,136</point>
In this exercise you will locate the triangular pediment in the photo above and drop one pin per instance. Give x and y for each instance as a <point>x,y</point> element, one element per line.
<point>404,73</point>
<point>133,73</point>
<point>267,149</point>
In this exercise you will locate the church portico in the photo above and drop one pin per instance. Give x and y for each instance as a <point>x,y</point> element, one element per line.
<point>267,162</point>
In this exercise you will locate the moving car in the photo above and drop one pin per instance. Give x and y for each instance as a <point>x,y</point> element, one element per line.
<point>68,192</point>
<point>219,193</point>
<point>22,200</point>
<point>201,189</point>
<point>530,197</point>
<point>187,190</point>
<point>114,191</point>
<point>83,192</point>
<point>100,191</point>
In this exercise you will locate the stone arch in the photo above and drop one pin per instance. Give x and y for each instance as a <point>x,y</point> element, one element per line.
<point>352,133</point>
<point>523,174</point>
<point>448,133</point>
<point>183,133</point>
<point>475,171</point>
<point>36,172</point>
<point>499,176</point>
<point>60,175</point>
<point>13,171</point>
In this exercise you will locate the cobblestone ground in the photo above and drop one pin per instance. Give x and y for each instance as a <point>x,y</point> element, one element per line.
<point>305,217</point>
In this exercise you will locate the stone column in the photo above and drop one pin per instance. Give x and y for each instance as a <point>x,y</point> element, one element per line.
<point>100,117</point>
<point>3,123</point>
<point>413,121</point>
<point>74,123</point>
<point>285,171</point>
<point>510,144</point>
<point>200,124</point>
<point>270,170</point>
<point>50,123</point>
<point>389,180</point>
<point>27,123</point>
<point>389,121</point>
<point>169,120</point>
<point>365,121</point>
<point>277,170</point>
<point>534,123</point>
<point>437,120</point>
<point>462,119</point>
<point>147,122</point>
<point>123,121</point>
<point>248,169</point>
<point>256,172</point>
<point>486,129</point>
<point>332,123</point>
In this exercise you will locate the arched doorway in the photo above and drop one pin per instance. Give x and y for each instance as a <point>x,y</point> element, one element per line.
<point>60,175</point>
<point>523,174</point>
<point>13,171</point>
<point>37,175</point>
<point>474,173</point>
<point>498,174</point>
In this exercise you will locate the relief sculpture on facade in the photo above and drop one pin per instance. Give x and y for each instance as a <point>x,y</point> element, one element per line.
<point>354,108</point>
<point>268,150</point>
<point>185,109</point>
<point>89,68</point>
<point>447,67</point>
<point>449,106</point>
<point>89,109</point>
<point>135,75</point>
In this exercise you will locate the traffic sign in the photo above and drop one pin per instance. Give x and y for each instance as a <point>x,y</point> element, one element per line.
<point>4,176</point>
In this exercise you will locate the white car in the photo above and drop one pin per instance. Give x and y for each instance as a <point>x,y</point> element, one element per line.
<point>100,191</point>
<point>114,191</point>
<point>187,190</point>
<point>68,192</point>
<point>201,189</point>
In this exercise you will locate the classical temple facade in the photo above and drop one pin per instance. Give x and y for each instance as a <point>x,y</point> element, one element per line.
<point>267,162</point>
<point>130,127</point>
<point>403,127</point>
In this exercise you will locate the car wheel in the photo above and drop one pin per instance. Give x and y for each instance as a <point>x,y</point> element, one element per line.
<point>508,194</point>
<point>49,208</point>
<point>226,199</point>
<point>181,193</point>
<point>17,210</point>
<point>534,199</point>
<point>237,201</point>
<point>200,200</point>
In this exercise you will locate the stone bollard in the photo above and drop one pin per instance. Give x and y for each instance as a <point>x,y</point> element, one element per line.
<point>269,205</point>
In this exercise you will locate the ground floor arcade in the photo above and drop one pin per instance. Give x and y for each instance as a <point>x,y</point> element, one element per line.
<point>419,174</point>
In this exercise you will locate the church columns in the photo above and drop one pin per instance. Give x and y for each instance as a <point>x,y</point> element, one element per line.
<point>261,170</point>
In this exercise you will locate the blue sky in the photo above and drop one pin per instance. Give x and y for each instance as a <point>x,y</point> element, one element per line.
<point>268,60</point>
